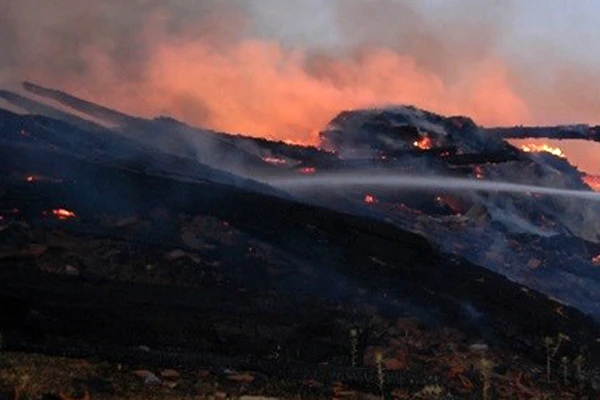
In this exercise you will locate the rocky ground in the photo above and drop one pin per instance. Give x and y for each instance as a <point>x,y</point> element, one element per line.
<point>214,311</point>
<point>409,351</point>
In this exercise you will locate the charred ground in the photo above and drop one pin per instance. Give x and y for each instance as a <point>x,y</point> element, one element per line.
<point>170,262</point>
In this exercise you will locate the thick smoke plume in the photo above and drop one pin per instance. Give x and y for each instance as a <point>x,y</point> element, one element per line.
<point>256,67</point>
<point>280,69</point>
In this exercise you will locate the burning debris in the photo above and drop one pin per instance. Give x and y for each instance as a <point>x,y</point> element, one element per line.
<point>402,130</point>
<point>539,148</point>
<point>63,214</point>
<point>466,150</point>
<point>370,199</point>
<point>424,144</point>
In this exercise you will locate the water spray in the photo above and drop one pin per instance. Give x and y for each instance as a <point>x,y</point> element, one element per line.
<point>337,180</point>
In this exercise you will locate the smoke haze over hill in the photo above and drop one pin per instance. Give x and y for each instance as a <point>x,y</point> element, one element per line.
<point>284,69</point>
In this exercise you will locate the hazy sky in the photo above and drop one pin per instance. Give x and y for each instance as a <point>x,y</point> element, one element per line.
<point>283,68</point>
<point>559,28</point>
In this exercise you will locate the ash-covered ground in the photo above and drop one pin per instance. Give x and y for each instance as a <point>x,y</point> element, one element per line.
<point>153,244</point>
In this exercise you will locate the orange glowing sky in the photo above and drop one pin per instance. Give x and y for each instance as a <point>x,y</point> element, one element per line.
<point>284,69</point>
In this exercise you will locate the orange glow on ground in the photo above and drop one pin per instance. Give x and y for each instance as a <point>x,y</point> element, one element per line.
<point>63,214</point>
<point>424,144</point>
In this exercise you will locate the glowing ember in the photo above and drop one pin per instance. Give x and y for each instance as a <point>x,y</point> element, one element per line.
<point>292,142</point>
<point>596,260</point>
<point>30,179</point>
<point>479,172</point>
<point>308,171</point>
<point>539,148</point>
<point>274,160</point>
<point>424,144</point>
<point>370,199</point>
<point>593,182</point>
<point>62,214</point>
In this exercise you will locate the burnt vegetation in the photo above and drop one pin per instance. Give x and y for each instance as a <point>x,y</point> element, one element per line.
<point>151,245</point>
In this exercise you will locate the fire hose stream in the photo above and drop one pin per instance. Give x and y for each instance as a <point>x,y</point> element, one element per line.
<point>325,181</point>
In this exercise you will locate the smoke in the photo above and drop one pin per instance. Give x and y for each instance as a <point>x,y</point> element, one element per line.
<point>273,68</point>
<point>256,67</point>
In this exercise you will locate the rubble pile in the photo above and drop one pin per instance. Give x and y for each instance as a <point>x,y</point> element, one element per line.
<point>486,228</point>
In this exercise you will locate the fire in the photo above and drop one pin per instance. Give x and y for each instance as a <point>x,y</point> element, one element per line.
<point>596,260</point>
<point>593,182</point>
<point>30,179</point>
<point>308,171</point>
<point>424,144</point>
<point>539,148</point>
<point>370,199</point>
<point>63,214</point>
<point>292,142</point>
<point>274,160</point>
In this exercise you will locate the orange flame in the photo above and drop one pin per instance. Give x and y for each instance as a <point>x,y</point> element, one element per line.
<point>63,214</point>
<point>424,144</point>
<point>539,148</point>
